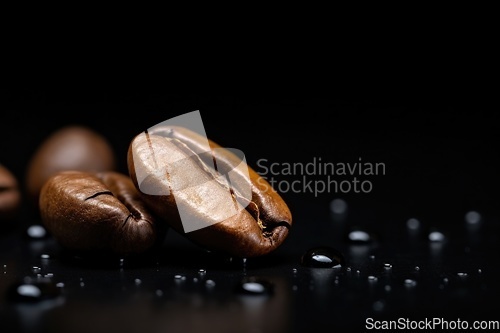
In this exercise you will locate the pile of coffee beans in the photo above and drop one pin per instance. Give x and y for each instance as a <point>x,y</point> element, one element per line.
<point>87,205</point>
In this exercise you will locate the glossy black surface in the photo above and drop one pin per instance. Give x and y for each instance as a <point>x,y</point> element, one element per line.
<point>432,219</point>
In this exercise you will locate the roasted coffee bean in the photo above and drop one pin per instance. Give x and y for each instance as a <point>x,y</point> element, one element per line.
<point>70,148</point>
<point>10,196</point>
<point>98,212</point>
<point>181,179</point>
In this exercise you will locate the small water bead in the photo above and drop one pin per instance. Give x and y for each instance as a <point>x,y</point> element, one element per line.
<point>36,269</point>
<point>210,283</point>
<point>462,274</point>
<point>36,232</point>
<point>179,277</point>
<point>294,270</point>
<point>413,224</point>
<point>417,268</point>
<point>137,282</point>
<point>387,266</point>
<point>338,206</point>
<point>44,256</point>
<point>479,271</point>
<point>410,283</point>
<point>378,306</point>
<point>372,278</point>
<point>472,217</point>
<point>255,286</point>
<point>60,285</point>
<point>372,257</point>
<point>387,288</point>
<point>359,236</point>
<point>436,236</point>
<point>202,271</point>
<point>33,291</point>
<point>323,257</point>
<point>159,293</point>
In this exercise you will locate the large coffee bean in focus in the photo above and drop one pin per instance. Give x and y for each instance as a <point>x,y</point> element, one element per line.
<point>10,196</point>
<point>69,148</point>
<point>173,165</point>
<point>93,212</point>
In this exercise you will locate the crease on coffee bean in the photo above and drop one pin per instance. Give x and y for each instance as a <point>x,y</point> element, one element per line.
<point>98,194</point>
<point>264,228</point>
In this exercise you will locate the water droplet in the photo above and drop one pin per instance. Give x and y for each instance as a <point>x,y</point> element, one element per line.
<point>372,278</point>
<point>359,236</point>
<point>387,266</point>
<point>479,271</point>
<point>417,268</point>
<point>372,257</point>
<point>137,282</point>
<point>179,277</point>
<point>36,232</point>
<point>195,279</point>
<point>254,286</point>
<point>60,285</point>
<point>413,224</point>
<point>462,274</point>
<point>378,306</point>
<point>82,284</point>
<point>338,206</point>
<point>410,283</point>
<point>33,291</point>
<point>45,256</point>
<point>210,283</point>
<point>445,280</point>
<point>49,275</point>
<point>202,271</point>
<point>294,288</point>
<point>122,261</point>
<point>323,257</point>
<point>159,293</point>
<point>387,288</point>
<point>472,217</point>
<point>36,269</point>
<point>348,269</point>
<point>436,236</point>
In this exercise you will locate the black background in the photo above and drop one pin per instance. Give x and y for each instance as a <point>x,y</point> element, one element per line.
<point>440,148</point>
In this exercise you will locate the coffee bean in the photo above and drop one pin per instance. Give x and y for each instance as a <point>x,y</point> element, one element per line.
<point>98,212</point>
<point>180,180</point>
<point>69,148</point>
<point>10,196</point>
